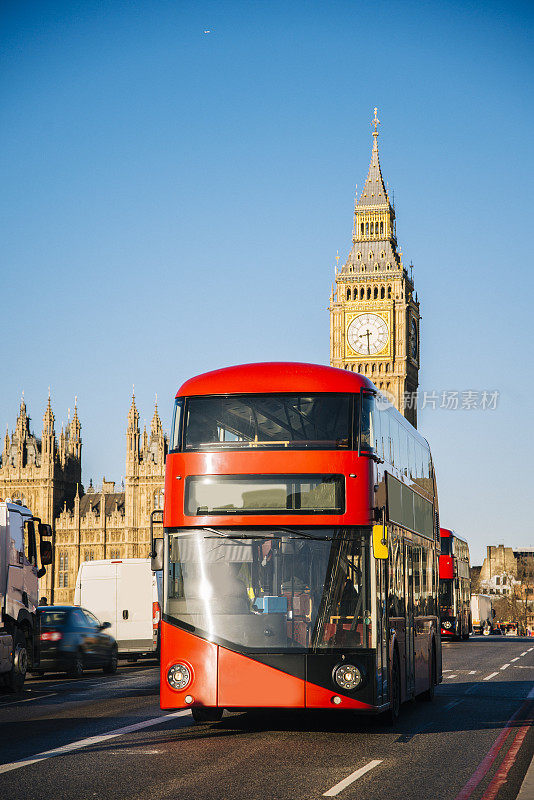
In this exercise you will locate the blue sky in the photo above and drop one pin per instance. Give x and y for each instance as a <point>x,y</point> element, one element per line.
<point>173,202</point>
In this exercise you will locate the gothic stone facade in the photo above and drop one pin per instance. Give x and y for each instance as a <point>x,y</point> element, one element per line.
<point>374,314</point>
<point>45,474</point>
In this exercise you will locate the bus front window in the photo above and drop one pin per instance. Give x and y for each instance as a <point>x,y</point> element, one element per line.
<point>268,421</point>
<point>277,590</point>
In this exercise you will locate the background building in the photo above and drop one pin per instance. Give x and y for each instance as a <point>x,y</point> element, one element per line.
<point>46,475</point>
<point>374,315</point>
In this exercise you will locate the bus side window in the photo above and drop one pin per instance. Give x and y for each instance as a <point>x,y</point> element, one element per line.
<point>384,428</point>
<point>403,450</point>
<point>377,419</point>
<point>366,421</point>
<point>411,456</point>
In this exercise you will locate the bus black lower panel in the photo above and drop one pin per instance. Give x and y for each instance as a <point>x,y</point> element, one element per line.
<point>320,669</point>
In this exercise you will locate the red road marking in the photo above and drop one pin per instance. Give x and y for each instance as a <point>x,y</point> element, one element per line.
<point>485,765</point>
<point>508,761</point>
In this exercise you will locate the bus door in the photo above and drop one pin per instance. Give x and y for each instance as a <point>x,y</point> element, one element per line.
<point>410,621</point>
<point>382,633</point>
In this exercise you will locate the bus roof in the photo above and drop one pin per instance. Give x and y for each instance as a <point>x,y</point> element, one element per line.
<point>446,532</point>
<point>275,376</point>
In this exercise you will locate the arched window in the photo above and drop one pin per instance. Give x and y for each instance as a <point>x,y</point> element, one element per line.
<point>387,367</point>
<point>388,265</point>
<point>373,369</point>
<point>381,227</point>
<point>369,293</point>
<point>348,293</point>
<point>380,368</point>
<point>375,294</point>
<point>63,572</point>
<point>382,292</point>
<point>370,255</point>
<point>361,228</point>
<point>367,229</point>
<point>389,292</point>
<point>372,228</point>
<point>359,256</point>
<point>359,367</point>
<point>362,293</point>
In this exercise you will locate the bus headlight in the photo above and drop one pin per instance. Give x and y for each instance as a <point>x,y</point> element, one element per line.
<point>347,676</point>
<point>447,624</point>
<point>179,676</point>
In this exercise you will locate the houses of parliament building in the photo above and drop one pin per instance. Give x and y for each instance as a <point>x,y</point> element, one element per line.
<point>374,330</point>
<point>46,475</point>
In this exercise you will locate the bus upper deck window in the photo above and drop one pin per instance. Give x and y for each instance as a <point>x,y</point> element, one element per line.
<point>176,425</point>
<point>367,436</point>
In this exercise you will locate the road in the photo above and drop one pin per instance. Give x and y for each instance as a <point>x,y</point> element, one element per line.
<point>456,748</point>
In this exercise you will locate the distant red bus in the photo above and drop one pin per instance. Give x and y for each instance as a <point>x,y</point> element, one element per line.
<point>454,586</point>
<point>300,549</point>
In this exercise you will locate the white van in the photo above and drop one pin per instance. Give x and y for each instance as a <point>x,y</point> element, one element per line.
<point>127,594</point>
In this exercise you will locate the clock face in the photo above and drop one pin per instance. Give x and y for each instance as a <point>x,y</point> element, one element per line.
<point>413,338</point>
<point>368,334</point>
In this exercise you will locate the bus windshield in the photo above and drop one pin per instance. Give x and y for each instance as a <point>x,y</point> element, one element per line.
<point>273,590</point>
<point>268,421</point>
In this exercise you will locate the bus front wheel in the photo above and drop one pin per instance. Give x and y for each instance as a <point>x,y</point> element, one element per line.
<point>429,694</point>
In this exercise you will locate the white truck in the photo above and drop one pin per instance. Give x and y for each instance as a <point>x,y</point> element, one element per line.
<point>482,613</point>
<point>19,574</point>
<point>126,593</point>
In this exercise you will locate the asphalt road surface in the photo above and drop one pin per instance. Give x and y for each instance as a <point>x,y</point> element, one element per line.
<point>105,737</point>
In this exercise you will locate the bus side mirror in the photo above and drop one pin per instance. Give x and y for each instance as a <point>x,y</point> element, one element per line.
<point>44,530</point>
<point>45,551</point>
<point>380,541</point>
<point>156,555</point>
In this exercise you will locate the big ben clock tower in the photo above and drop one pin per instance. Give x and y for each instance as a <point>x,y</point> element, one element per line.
<point>374,315</point>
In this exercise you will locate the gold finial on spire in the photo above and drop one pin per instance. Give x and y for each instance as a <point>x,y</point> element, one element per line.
<point>337,258</point>
<point>375,122</point>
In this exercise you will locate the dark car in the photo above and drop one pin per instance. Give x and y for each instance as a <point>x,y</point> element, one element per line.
<point>72,639</point>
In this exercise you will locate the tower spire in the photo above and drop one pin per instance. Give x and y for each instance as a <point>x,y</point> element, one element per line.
<point>376,123</point>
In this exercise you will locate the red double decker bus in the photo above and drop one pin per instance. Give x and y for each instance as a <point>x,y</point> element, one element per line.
<point>454,586</point>
<point>300,546</point>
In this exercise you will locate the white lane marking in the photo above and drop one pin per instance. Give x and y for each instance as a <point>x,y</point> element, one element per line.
<point>29,700</point>
<point>529,649</point>
<point>514,659</point>
<point>488,677</point>
<point>446,670</point>
<point>452,704</point>
<point>505,666</point>
<point>335,790</point>
<point>524,654</point>
<point>472,672</point>
<point>452,676</point>
<point>81,743</point>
